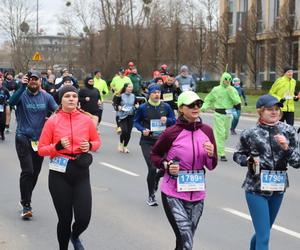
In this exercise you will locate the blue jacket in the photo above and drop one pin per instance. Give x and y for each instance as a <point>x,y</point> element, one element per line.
<point>31,111</point>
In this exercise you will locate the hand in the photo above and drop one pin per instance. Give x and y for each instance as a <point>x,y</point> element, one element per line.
<point>99,102</point>
<point>65,142</point>
<point>87,99</point>
<point>209,148</point>
<point>163,119</point>
<point>282,141</point>
<point>103,92</point>
<point>146,132</point>
<point>177,84</point>
<point>296,98</point>
<point>119,108</point>
<point>84,146</point>
<point>173,169</point>
<point>246,103</point>
<point>25,80</point>
<point>282,100</point>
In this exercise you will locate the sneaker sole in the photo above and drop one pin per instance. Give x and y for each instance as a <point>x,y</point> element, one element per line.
<point>152,204</point>
<point>26,216</point>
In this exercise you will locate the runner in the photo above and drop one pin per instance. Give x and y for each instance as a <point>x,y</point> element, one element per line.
<point>151,119</point>
<point>222,98</point>
<point>126,106</point>
<point>32,108</point>
<point>67,137</point>
<point>237,113</point>
<point>116,85</point>
<point>101,85</point>
<point>4,107</point>
<point>182,151</point>
<point>185,80</point>
<point>170,92</point>
<point>266,149</point>
<point>89,99</point>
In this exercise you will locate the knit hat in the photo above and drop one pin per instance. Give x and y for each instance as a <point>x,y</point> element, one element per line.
<point>287,68</point>
<point>153,88</point>
<point>65,89</point>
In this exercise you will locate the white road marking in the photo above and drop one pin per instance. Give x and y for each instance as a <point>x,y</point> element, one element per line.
<point>118,169</point>
<point>276,227</point>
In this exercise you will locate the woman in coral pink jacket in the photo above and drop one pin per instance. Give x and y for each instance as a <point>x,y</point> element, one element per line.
<point>67,137</point>
<point>183,151</point>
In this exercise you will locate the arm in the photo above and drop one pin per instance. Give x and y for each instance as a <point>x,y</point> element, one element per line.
<point>210,161</point>
<point>234,96</point>
<point>171,119</point>
<point>208,101</point>
<point>274,89</point>
<point>138,118</point>
<point>52,106</point>
<point>15,98</point>
<point>292,153</point>
<point>95,141</point>
<point>243,151</point>
<point>46,146</point>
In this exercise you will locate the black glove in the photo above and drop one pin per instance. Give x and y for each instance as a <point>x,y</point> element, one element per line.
<point>103,92</point>
<point>282,100</point>
<point>246,103</point>
<point>296,98</point>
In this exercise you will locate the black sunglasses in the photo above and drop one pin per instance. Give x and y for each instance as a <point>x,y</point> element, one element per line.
<point>197,103</point>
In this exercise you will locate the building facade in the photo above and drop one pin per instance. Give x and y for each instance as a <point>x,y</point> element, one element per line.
<point>263,37</point>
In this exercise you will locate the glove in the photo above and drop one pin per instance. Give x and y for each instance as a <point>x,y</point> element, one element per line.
<point>282,100</point>
<point>296,98</point>
<point>246,103</point>
<point>103,92</point>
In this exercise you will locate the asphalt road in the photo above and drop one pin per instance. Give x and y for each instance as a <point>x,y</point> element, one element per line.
<point>120,217</point>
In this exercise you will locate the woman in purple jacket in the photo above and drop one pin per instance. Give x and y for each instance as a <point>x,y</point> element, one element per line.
<point>182,151</point>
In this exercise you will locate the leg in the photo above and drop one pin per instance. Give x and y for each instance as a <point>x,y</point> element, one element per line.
<point>290,118</point>
<point>37,165</point>
<point>129,125</point>
<point>219,132</point>
<point>100,111</point>
<point>8,116</point>
<point>183,217</point>
<point>61,193</point>
<point>82,202</point>
<point>274,206</point>
<point>24,152</point>
<point>259,211</point>
<point>146,148</point>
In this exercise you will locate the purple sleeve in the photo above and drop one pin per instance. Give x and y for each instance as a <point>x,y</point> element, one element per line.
<point>211,162</point>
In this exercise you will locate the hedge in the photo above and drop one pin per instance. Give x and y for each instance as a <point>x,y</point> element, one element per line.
<point>206,86</point>
<point>266,85</point>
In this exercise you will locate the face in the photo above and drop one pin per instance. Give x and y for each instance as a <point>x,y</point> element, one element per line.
<point>69,101</point>
<point>121,74</point>
<point>65,73</point>
<point>129,89</point>
<point>67,82</point>
<point>91,82</point>
<point>134,71</point>
<point>34,84</point>
<point>227,81</point>
<point>155,96</point>
<point>184,73</point>
<point>191,112</point>
<point>98,75</point>
<point>289,73</point>
<point>9,77</point>
<point>51,78</point>
<point>270,115</point>
<point>160,82</point>
<point>170,80</point>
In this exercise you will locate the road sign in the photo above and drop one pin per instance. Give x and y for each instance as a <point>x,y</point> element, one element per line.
<point>37,56</point>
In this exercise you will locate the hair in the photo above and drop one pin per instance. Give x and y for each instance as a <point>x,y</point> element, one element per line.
<point>123,90</point>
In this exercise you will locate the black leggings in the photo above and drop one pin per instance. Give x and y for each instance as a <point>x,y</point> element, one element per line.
<point>31,164</point>
<point>71,194</point>
<point>126,125</point>
<point>288,117</point>
<point>2,121</point>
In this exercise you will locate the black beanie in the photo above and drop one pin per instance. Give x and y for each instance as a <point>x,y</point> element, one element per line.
<point>287,68</point>
<point>67,78</point>
<point>65,89</point>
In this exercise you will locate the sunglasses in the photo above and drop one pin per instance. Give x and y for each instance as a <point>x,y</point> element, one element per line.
<point>195,103</point>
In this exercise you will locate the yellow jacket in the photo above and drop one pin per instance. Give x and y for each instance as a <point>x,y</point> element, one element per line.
<point>284,87</point>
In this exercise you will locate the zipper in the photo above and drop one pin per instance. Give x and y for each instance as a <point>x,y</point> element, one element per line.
<point>273,166</point>
<point>287,103</point>
<point>71,133</point>
<point>191,196</point>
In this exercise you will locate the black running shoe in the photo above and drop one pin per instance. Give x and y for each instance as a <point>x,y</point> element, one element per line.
<point>223,158</point>
<point>26,212</point>
<point>77,243</point>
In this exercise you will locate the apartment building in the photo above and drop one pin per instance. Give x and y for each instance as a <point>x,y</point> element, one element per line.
<point>277,26</point>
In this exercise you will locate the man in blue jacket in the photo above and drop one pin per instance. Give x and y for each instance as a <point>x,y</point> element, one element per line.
<point>151,119</point>
<point>32,108</point>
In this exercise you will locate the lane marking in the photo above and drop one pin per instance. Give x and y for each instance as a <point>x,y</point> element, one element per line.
<point>118,169</point>
<point>276,227</point>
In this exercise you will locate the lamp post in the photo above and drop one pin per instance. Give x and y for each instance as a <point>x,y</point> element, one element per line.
<point>37,17</point>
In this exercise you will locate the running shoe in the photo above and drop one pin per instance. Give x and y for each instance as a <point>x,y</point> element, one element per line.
<point>77,243</point>
<point>26,212</point>
<point>152,201</point>
<point>126,150</point>
<point>7,130</point>
<point>223,158</point>
<point>121,147</point>
<point>2,136</point>
<point>119,130</point>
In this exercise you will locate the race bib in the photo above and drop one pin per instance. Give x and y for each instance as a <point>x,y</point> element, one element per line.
<point>126,108</point>
<point>288,97</point>
<point>272,180</point>
<point>168,97</point>
<point>34,145</point>
<point>187,182</point>
<point>1,108</point>
<point>156,125</point>
<point>58,164</point>
<point>185,87</point>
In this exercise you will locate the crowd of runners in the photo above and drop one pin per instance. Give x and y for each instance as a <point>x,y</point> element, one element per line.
<point>57,117</point>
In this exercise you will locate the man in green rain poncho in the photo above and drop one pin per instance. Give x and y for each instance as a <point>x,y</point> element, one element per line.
<point>222,99</point>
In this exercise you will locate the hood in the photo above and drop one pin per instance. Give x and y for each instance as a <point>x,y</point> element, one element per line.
<point>225,75</point>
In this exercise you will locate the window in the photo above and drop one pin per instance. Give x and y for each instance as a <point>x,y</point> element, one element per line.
<point>244,5</point>
<point>259,17</point>
<point>260,63</point>
<point>294,63</point>
<point>292,7</point>
<point>230,5</point>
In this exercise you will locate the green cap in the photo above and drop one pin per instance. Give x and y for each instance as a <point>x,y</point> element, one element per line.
<point>187,97</point>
